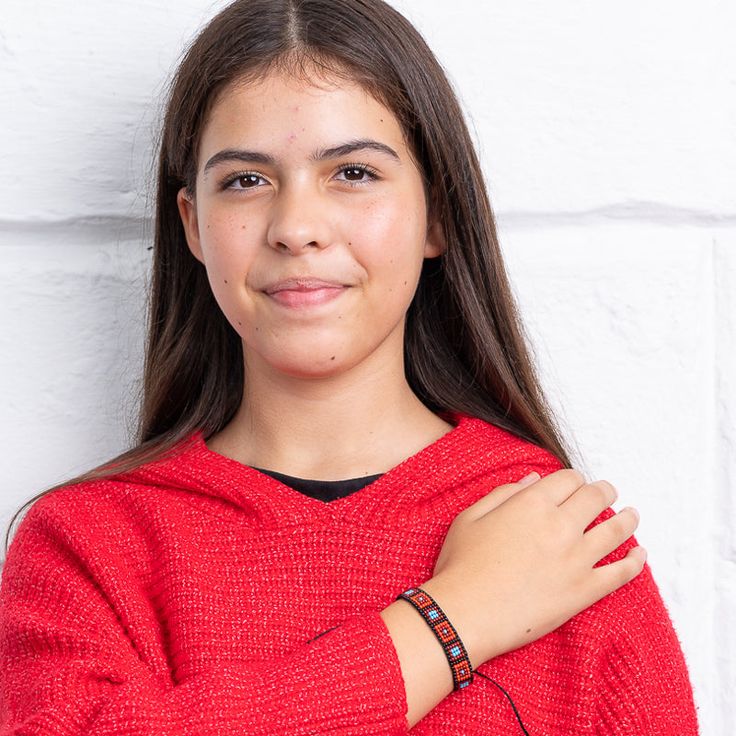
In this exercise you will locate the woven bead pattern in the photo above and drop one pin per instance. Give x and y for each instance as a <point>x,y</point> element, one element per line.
<point>462,672</point>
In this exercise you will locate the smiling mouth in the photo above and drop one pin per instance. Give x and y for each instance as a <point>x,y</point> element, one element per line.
<point>301,296</point>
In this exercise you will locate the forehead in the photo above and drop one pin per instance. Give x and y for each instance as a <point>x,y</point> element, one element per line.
<point>301,107</point>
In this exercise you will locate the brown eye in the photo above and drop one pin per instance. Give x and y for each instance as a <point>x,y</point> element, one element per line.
<point>357,174</point>
<point>247,180</point>
<point>354,174</point>
<point>243,180</point>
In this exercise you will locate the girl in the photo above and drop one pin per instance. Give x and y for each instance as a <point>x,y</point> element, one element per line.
<point>322,528</point>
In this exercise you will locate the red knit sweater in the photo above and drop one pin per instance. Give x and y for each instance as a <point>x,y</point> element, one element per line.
<point>181,598</point>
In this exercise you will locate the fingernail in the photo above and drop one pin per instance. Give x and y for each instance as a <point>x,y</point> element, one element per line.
<point>529,478</point>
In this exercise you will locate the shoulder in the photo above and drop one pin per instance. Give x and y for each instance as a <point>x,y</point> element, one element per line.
<point>69,515</point>
<point>99,507</point>
<point>152,473</point>
<point>490,449</point>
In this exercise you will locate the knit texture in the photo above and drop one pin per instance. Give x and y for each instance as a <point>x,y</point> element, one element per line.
<point>199,596</point>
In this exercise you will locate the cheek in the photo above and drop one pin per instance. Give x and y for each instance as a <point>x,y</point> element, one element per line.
<point>225,244</point>
<point>227,259</point>
<point>391,236</point>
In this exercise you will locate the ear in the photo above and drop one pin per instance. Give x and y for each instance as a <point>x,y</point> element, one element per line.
<point>188,213</point>
<point>435,244</point>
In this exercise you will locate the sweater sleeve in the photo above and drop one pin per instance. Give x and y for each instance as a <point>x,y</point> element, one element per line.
<point>68,666</point>
<point>642,682</point>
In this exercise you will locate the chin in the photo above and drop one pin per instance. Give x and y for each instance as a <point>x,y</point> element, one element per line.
<point>310,369</point>
<point>308,357</point>
<point>309,363</point>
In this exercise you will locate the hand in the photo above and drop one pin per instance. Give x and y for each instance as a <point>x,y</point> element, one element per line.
<point>518,563</point>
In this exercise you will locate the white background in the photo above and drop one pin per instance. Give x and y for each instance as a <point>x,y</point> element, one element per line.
<point>607,132</point>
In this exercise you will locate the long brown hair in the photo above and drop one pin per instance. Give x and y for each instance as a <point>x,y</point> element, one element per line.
<point>465,346</point>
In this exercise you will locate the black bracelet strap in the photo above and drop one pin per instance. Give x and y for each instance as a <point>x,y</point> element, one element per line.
<point>457,656</point>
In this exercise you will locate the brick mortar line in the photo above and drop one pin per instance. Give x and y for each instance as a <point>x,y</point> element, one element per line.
<point>136,227</point>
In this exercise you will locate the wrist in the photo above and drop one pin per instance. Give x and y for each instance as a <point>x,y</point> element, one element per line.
<point>444,631</point>
<point>459,614</point>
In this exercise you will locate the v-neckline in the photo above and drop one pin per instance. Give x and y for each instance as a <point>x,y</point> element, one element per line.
<point>433,464</point>
<point>326,491</point>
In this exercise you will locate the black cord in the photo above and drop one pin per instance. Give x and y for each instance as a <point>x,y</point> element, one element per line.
<point>516,712</point>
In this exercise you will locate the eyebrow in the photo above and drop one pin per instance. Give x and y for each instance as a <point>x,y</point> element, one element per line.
<point>322,154</point>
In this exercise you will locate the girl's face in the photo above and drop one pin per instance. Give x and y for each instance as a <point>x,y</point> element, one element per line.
<point>310,218</point>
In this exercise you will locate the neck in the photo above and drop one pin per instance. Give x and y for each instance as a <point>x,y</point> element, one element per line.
<point>362,421</point>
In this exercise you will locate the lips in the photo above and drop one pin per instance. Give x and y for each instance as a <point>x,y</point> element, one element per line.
<point>309,298</point>
<point>302,284</point>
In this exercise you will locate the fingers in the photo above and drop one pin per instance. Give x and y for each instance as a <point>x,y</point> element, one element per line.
<point>610,534</point>
<point>556,486</point>
<point>566,488</point>
<point>584,505</point>
<point>560,485</point>
<point>608,578</point>
<point>497,496</point>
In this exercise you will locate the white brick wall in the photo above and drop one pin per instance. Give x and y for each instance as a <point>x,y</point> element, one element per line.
<point>607,132</point>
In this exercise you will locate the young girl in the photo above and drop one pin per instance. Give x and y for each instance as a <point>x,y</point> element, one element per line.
<point>349,510</point>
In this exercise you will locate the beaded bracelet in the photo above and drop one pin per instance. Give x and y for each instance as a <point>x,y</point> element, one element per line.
<point>462,671</point>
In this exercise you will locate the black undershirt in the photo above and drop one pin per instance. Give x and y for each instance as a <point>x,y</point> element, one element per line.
<point>323,490</point>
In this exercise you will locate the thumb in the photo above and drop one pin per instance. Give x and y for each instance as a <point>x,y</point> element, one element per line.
<point>529,479</point>
<point>498,495</point>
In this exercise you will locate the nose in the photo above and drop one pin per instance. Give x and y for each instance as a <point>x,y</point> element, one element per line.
<point>299,220</point>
